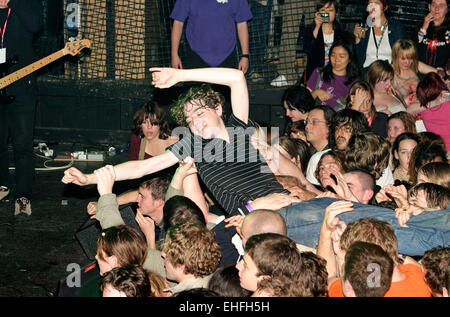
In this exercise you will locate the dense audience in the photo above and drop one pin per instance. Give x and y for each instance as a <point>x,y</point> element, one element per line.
<point>375,141</point>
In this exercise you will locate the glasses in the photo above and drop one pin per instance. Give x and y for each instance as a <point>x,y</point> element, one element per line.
<point>313,122</point>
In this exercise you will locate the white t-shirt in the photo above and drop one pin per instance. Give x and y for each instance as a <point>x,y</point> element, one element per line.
<point>387,178</point>
<point>312,166</point>
<point>384,48</point>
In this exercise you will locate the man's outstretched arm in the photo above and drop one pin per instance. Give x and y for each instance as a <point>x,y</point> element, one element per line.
<point>127,170</point>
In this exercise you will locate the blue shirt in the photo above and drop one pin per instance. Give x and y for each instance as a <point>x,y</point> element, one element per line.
<point>211,26</point>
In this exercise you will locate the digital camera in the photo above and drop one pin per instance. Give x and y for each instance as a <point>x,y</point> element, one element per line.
<point>325,17</point>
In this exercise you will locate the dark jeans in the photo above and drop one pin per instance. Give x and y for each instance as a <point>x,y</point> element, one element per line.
<point>17,119</point>
<point>258,31</point>
<point>193,60</point>
<point>425,231</point>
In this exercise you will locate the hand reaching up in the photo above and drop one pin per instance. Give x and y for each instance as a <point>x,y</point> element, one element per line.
<point>105,179</point>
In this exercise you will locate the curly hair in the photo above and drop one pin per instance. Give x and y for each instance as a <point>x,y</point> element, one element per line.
<point>436,263</point>
<point>277,257</point>
<point>194,246</point>
<point>372,231</point>
<point>368,151</point>
<point>131,279</point>
<point>203,96</point>
<point>157,116</point>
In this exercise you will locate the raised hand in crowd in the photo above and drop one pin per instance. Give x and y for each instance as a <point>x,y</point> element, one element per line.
<point>147,226</point>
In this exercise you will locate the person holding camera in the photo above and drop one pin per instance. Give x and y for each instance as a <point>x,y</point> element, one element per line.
<point>320,36</point>
<point>375,41</point>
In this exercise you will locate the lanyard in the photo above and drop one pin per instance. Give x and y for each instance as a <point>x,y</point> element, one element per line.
<point>4,26</point>
<point>375,40</point>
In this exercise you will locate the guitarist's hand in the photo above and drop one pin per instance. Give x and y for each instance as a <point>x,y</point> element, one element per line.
<point>4,4</point>
<point>164,77</point>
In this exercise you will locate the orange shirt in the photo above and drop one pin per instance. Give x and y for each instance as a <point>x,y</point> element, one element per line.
<point>413,285</point>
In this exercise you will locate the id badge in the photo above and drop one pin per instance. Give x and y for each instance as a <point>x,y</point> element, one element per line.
<point>2,55</point>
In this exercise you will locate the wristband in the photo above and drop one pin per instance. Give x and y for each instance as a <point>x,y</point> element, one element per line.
<point>249,207</point>
<point>420,34</point>
<point>245,56</point>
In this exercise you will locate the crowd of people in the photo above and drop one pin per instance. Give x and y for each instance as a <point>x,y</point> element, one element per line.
<point>352,199</point>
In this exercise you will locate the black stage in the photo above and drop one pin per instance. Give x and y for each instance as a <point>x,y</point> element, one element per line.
<point>36,250</point>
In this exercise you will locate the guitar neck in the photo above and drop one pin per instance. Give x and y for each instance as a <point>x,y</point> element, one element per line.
<point>11,78</point>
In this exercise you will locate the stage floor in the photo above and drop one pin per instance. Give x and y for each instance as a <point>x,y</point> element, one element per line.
<point>36,250</point>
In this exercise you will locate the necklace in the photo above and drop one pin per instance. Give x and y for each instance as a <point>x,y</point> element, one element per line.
<point>405,78</point>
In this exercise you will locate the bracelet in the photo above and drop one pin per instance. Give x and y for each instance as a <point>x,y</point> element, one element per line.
<point>245,56</point>
<point>423,31</point>
<point>249,207</point>
<point>420,34</point>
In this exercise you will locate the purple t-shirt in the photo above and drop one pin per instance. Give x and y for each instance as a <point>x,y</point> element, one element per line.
<point>211,26</point>
<point>336,87</point>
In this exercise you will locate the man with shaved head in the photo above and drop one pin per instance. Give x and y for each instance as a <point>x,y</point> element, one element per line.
<point>361,184</point>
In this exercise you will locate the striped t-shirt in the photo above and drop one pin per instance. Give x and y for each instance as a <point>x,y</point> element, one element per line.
<point>234,172</point>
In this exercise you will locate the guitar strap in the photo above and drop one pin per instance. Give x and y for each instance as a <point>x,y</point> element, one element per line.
<point>2,31</point>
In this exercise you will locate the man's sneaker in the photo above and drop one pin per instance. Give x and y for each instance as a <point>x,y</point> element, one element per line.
<point>4,191</point>
<point>280,81</point>
<point>22,204</point>
<point>256,77</point>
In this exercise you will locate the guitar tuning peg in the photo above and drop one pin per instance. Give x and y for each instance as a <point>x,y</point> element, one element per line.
<point>71,39</point>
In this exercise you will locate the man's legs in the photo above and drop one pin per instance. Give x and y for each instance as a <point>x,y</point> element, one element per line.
<point>21,120</point>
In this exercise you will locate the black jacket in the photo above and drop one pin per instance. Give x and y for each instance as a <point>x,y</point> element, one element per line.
<point>314,47</point>
<point>24,21</point>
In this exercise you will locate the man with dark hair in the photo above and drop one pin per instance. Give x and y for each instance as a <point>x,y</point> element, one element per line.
<point>126,281</point>
<point>317,130</point>
<point>346,123</point>
<point>436,270</point>
<point>367,270</point>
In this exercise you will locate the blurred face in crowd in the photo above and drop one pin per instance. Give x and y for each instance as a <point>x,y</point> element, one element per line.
<point>339,59</point>
<point>395,128</point>
<point>203,121</point>
<point>293,113</point>
<point>438,9</point>
<point>105,263</point>
<point>330,9</point>
<point>327,163</point>
<point>365,106</point>
<point>150,129</point>
<point>248,273</point>
<point>403,154</point>
<point>404,61</point>
<point>420,199</point>
<point>384,85</point>
<point>316,127</point>
<point>110,291</point>
<point>342,135</point>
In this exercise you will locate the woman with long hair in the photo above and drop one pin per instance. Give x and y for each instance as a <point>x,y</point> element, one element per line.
<point>332,83</point>
<point>360,98</point>
<point>408,71</point>
<point>320,36</point>
<point>151,132</point>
